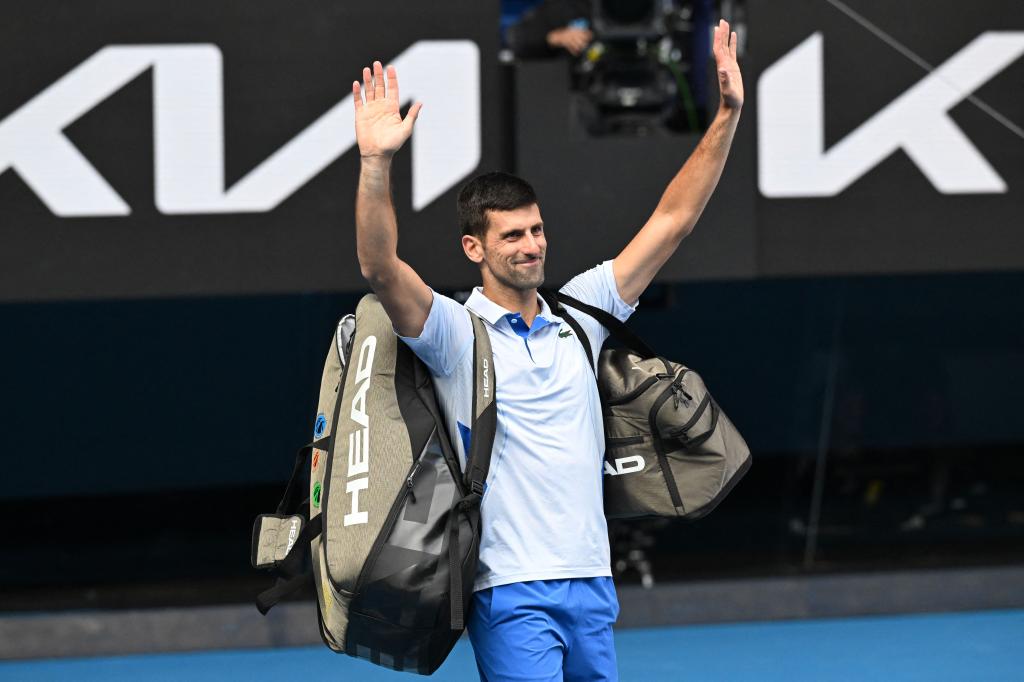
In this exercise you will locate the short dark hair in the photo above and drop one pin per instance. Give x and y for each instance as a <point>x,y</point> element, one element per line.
<point>494,191</point>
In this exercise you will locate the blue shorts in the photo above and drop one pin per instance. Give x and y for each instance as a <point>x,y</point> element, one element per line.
<point>545,630</point>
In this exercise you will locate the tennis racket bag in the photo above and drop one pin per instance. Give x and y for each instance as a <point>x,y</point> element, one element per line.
<point>669,448</point>
<point>392,528</point>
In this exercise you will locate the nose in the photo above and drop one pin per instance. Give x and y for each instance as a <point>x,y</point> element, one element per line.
<point>533,245</point>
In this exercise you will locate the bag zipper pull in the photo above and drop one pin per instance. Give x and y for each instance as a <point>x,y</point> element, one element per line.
<point>408,482</point>
<point>677,388</point>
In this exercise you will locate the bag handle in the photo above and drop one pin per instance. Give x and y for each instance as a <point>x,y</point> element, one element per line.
<point>287,504</point>
<point>288,573</point>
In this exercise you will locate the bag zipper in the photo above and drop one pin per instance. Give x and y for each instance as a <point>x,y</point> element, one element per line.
<point>659,449</point>
<point>697,414</point>
<point>389,523</point>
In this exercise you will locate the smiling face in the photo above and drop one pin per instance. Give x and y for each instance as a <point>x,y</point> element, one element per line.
<point>512,250</point>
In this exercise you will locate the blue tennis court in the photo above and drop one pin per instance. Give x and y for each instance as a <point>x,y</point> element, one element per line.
<point>951,646</point>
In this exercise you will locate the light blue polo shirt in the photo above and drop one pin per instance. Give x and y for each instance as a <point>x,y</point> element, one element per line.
<point>543,514</point>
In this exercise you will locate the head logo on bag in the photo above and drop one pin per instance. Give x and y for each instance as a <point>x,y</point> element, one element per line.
<point>359,440</point>
<point>486,377</point>
<point>624,465</point>
<point>293,533</point>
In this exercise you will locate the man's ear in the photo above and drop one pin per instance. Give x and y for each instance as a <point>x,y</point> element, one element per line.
<point>473,247</point>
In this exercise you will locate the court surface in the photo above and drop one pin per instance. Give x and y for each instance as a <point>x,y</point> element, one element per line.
<point>987,645</point>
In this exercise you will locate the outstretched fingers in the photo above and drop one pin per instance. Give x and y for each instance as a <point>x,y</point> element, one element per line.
<point>374,79</point>
<point>381,82</point>
<point>367,84</point>
<point>725,43</point>
<point>393,84</point>
<point>410,118</point>
<point>378,81</point>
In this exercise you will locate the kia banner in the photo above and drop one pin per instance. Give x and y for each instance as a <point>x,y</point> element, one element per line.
<point>151,151</point>
<point>154,149</point>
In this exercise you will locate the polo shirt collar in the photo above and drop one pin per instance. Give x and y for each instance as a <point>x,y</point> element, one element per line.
<point>492,312</point>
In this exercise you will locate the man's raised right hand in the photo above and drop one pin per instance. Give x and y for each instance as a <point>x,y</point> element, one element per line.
<point>380,129</point>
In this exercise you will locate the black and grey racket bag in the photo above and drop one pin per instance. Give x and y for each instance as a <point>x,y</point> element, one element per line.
<point>670,450</point>
<point>392,528</point>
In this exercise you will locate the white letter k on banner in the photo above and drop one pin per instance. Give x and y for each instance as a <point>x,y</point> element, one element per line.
<point>793,161</point>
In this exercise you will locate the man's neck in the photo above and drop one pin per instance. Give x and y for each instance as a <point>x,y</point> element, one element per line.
<point>514,300</point>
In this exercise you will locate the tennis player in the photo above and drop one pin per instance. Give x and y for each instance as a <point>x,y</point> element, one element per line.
<point>544,602</point>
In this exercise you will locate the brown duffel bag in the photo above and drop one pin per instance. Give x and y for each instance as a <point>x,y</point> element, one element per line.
<point>670,450</point>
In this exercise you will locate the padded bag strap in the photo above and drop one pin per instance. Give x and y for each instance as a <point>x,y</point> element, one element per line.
<point>273,537</point>
<point>289,569</point>
<point>485,409</point>
<point>290,572</point>
<point>485,424</point>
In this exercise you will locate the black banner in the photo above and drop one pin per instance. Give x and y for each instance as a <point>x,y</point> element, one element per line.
<point>915,162</point>
<point>150,151</point>
<point>153,149</point>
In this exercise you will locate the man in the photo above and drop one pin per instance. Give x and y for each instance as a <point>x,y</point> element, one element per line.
<point>544,602</point>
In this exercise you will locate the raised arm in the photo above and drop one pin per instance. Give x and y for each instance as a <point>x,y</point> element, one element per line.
<point>380,132</point>
<point>685,197</point>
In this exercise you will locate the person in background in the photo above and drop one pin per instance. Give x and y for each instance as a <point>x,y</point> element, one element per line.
<point>552,28</point>
<point>556,28</point>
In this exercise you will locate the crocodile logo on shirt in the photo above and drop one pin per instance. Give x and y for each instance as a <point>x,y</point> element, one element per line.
<point>564,334</point>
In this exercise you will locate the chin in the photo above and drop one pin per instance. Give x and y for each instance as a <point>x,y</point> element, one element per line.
<point>526,283</point>
<point>521,283</point>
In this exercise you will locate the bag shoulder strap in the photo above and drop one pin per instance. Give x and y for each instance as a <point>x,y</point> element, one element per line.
<point>615,327</point>
<point>626,336</point>
<point>478,460</point>
<point>551,298</point>
<point>485,409</point>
